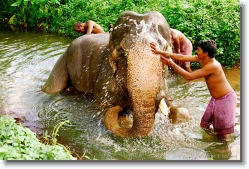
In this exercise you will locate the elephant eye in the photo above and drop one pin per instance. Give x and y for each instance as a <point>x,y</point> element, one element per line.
<point>121,52</point>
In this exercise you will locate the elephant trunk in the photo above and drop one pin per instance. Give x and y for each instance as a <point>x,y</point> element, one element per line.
<point>144,77</point>
<point>143,117</point>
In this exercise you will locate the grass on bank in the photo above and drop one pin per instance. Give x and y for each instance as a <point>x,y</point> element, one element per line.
<point>20,143</point>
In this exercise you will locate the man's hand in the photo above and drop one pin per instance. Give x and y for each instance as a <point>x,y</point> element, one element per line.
<point>166,60</point>
<point>155,49</point>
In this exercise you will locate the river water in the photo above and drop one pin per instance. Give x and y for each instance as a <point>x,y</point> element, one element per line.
<point>26,60</point>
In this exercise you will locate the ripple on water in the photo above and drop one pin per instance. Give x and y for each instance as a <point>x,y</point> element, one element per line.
<point>186,154</point>
<point>26,62</point>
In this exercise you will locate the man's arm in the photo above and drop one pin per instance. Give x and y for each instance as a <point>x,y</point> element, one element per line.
<point>176,44</point>
<point>89,27</point>
<point>203,72</point>
<point>179,57</point>
<point>155,49</point>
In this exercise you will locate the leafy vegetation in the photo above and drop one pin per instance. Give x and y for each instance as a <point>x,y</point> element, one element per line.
<point>20,143</point>
<point>200,19</point>
<point>209,19</point>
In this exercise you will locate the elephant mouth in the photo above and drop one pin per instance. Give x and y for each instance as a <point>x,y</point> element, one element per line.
<point>126,120</point>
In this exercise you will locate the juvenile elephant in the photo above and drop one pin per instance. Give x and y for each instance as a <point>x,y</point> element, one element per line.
<point>121,71</point>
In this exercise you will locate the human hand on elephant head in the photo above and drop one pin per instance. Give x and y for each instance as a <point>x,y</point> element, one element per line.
<point>165,60</point>
<point>155,49</point>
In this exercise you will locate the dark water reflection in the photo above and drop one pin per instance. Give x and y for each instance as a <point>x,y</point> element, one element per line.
<point>26,60</point>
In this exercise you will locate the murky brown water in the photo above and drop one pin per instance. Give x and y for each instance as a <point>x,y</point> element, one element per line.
<point>27,58</point>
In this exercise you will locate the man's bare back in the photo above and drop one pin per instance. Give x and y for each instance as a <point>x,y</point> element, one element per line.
<point>93,27</point>
<point>182,45</point>
<point>178,39</point>
<point>88,27</point>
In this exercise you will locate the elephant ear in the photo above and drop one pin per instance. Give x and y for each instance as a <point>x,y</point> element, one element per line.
<point>167,48</point>
<point>112,60</point>
<point>114,53</point>
<point>118,51</point>
<point>126,43</point>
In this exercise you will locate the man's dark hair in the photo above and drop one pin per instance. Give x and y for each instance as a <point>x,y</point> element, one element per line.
<point>77,24</point>
<point>208,46</point>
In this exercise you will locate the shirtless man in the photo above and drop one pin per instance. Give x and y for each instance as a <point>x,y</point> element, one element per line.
<point>88,27</point>
<point>221,109</point>
<point>182,45</point>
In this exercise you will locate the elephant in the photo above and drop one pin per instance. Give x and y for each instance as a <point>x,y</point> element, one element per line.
<point>121,72</point>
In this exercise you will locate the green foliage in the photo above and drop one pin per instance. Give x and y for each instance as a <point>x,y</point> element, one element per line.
<point>52,140</point>
<point>36,12</point>
<point>87,157</point>
<point>20,143</point>
<point>200,19</point>
<point>208,19</point>
<point>6,11</point>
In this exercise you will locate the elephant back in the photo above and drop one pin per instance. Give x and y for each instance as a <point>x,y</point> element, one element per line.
<point>84,59</point>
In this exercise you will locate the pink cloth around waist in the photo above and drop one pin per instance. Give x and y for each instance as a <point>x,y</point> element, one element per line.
<point>221,113</point>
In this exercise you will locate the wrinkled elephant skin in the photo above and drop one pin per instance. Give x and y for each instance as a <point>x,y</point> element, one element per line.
<point>121,72</point>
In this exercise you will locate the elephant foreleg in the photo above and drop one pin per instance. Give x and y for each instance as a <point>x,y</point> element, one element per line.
<point>179,115</point>
<point>175,113</point>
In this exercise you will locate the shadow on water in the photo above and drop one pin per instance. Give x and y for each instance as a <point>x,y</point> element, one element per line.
<point>27,59</point>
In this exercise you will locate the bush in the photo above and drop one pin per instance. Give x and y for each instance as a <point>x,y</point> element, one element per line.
<point>20,143</point>
<point>208,19</point>
<point>201,19</point>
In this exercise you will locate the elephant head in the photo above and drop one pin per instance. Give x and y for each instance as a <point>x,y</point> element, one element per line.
<point>146,75</point>
<point>130,26</point>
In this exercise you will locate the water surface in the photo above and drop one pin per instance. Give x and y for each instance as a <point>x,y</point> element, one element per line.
<point>26,60</point>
